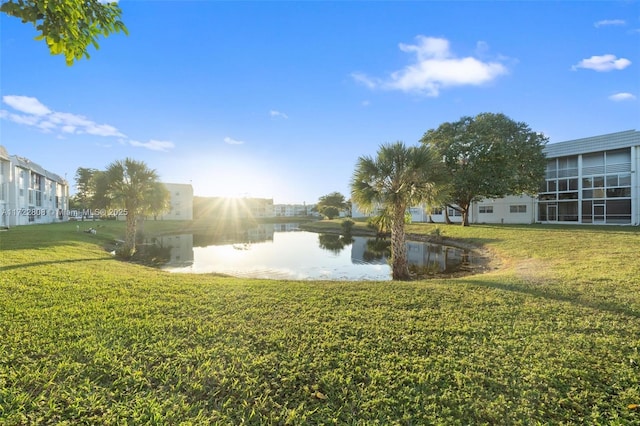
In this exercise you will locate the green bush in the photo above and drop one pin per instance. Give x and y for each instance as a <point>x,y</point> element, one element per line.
<point>347,226</point>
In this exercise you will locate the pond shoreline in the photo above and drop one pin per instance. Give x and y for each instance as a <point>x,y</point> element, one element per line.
<point>487,260</point>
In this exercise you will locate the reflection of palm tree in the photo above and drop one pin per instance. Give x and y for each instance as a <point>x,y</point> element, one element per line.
<point>333,242</point>
<point>377,248</point>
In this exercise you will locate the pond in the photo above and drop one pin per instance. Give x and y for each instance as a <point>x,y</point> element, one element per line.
<point>283,252</point>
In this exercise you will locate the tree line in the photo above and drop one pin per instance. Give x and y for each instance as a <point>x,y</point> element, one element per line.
<point>456,164</point>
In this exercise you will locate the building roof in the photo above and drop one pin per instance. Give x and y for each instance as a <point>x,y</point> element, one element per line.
<point>30,165</point>
<point>176,185</point>
<point>3,153</point>
<point>609,141</point>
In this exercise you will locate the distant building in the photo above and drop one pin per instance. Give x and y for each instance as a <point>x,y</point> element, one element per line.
<point>224,208</point>
<point>292,210</point>
<point>256,207</point>
<point>592,180</point>
<point>180,202</point>
<point>29,194</point>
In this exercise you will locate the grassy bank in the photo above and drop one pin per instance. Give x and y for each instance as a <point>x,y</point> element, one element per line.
<point>550,336</point>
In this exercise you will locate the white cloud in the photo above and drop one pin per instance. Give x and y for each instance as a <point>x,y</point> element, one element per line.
<point>623,96</point>
<point>607,22</point>
<point>154,145</point>
<point>37,115</point>
<point>274,113</point>
<point>364,80</point>
<point>603,63</point>
<point>435,67</point>
<point>27,120</point>
<point>232,141</point>
<point>31,112</point>
<point>26,104</point>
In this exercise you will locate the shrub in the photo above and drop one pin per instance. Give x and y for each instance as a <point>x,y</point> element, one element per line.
<point>347,226</point>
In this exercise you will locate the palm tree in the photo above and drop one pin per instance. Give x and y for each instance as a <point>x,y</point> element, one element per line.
<point>396,179</point>
<point>132,186</point>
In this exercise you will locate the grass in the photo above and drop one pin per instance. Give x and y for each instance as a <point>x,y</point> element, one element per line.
<point>549,336</point>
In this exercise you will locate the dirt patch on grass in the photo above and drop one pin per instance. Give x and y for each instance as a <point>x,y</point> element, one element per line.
<point>532,270</point>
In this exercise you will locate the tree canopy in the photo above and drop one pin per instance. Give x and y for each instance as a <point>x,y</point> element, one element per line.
<point>331,204</point>
<point>68,27</point>
<point>85,186</point>
<point>132,186</point>
<point>397,178</point>
<point>488,156</point>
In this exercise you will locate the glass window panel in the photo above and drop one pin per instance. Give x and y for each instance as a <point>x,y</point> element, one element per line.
<point>568,196</point>
<point>598,182</point>
<point>598,193</point>
<point>619,211</point>
<point>618,192</point>
<point>573,184</point>
<point>542,212</point>
<point>612,180</point>
<point>587,213</point>
<point>587,193</point>
<point>568,212</point>
<point>620,156</point>
<point>624,180</point>
<point>587,182</point>
<point>552,185</point>
<point>590,160</point>
<point>562,185</point>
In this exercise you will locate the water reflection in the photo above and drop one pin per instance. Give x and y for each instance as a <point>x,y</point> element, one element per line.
<point>175,250</point>
<point>273,251</point>
<point>333,242</point>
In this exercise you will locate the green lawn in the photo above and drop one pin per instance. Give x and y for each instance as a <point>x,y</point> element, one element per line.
<point>550,335</point>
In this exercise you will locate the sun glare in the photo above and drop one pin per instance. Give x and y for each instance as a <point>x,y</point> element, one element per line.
<point>235,180</point>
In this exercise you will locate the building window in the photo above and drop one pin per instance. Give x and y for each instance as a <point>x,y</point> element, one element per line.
<point>485,209</point>
<point>453,212</point>
<point>518,208</point>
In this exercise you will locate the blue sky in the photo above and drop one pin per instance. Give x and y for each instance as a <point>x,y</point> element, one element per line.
<point>279,99</point>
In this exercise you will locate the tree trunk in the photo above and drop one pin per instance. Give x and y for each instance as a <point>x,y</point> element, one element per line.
<point>447,220</point>
<point>464,210</point>
<point>129,247</point>
<point>465,217</point>
<point>399,263</point>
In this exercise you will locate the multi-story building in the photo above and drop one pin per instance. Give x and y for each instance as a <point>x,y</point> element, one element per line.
<point>180,202</point>
<point>592,180</point>
<point>292,210</point>
<point>30,194</point>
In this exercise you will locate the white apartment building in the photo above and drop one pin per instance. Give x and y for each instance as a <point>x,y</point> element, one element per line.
<point>592,180</point>
<point>180,202</point>
<point>30,194</point>
<point>292,210</point>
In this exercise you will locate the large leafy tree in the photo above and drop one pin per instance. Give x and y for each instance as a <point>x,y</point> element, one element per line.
<point>397,178</point>
<point>68,26</point>
<point>85,187</point>
<point>488,156</point>
<point>132,186</point>
<point>331,204</point>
